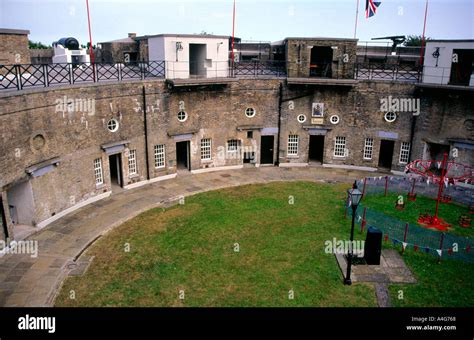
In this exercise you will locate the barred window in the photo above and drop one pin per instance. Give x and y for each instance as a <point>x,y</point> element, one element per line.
<point>404,152</point>
<point>368,148</point>
<point>132,162</point>
<point>232,145</point>
<point>340,147</point>
<point>160,156</point>
<point>293,145</point>
<point>99,178</point>
<point>206,149</point>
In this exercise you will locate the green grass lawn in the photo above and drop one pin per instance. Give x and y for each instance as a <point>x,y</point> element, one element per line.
<point>450,212</point>
<point>190,247</point>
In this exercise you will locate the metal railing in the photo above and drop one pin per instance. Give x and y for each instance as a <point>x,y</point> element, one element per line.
<point>25,76</point>
<point>254,69</point>
<point>385,71</point>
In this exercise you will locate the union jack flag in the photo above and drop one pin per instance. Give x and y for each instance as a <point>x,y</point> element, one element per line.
<point>371,7</point>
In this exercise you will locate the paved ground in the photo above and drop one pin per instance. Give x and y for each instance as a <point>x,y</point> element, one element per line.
<point>29,282</point>
<point>392,269</point>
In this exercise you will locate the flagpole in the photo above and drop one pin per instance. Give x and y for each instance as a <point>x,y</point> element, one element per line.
<point>233,36</point>
<point>90,34</point>
<point>357,19</point>
<point>423,36</point>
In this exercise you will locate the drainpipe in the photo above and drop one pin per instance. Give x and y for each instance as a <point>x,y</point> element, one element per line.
<point>412,137</point>
<point>280,103</point>
<point>145,127</point>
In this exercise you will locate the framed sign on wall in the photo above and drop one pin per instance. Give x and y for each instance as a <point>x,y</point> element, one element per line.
<point>318,110</point>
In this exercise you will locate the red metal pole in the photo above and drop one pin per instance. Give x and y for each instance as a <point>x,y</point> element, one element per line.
<point>91,51</point>
<point>441,183</point>
<point>233,36</point>
<point>405,237</point>
<point>423,36</point>
<point>386,185</point>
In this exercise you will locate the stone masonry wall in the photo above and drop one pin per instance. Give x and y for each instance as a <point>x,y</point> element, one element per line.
<point>35,127</point>
<point>14,49</point>
<point>298,56</point>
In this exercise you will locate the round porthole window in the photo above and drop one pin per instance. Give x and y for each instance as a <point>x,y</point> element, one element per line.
<point>390,117</point>
<point>182,116</point>
<point>113,125</point>
<point>250,112</point>
<point>301,118</point>
<point>334,119</point>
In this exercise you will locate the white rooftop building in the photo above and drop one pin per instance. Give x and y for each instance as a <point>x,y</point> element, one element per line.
<point>449,62</point>
<point>191,56</point>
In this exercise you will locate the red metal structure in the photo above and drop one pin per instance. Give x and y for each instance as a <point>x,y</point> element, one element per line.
<point>451,172</point>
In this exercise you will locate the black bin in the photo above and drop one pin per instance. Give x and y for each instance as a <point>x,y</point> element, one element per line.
<point>373,246</point>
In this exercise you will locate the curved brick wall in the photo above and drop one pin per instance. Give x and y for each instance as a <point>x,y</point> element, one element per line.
<point>52,148</point>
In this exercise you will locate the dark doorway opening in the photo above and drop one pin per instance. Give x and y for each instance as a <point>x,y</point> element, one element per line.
<point>462,70</point>
<point>386,153</point>
<point>266,150</point>
<point>197,60</point>
<point>321,62</point>
<point>316,148</point>
<point>3,219</point>
<point>115,162</point>
<point>182,155</point>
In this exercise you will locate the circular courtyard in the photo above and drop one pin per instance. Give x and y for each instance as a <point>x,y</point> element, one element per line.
<point>249,246</point>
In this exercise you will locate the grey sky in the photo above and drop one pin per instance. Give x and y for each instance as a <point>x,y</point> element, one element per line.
<point>266,20</point>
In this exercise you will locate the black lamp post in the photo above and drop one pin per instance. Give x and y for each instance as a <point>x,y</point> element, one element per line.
<point>354,198</point>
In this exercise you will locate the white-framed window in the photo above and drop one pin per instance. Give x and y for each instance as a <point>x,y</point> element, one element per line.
<point>232,145</point>
<point>293,141</point>
<point>390,117</point>
<point>368,148</point>
<point>334,119</point>
<point>132,162</point>
<point>206,149</point>
<point>404,152</point>
<point>182,116</point>
<point>301,118</point>
<point>340,147</point>
<point>99,178</point>
<point>113,125</point>
<point>250,112</point>
<point>159,156</point>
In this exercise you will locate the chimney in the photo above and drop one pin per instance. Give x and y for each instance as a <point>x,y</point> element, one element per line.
<point>132,35</point>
